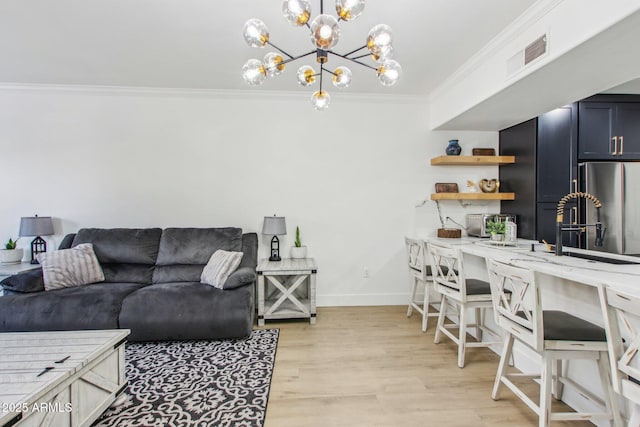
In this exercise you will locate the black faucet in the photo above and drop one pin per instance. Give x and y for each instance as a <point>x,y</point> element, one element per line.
<point>560,227</point>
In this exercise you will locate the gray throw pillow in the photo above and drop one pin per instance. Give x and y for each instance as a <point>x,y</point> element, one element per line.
<point>220,266</point>
<point>70,267</point>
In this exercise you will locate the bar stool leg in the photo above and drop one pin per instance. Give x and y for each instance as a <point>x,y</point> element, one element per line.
<point>503,366</point>
<point>462,336</point>
<point>479,323</point>
<point>425,307</point>
<point>558,387</point>
<point>545,390</point>
<point>610,396</point>
<point>443,310</point>
<point>412,295</point>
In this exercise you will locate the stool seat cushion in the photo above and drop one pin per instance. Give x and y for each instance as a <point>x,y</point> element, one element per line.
<point>561,326</point>
<point>478,287</point>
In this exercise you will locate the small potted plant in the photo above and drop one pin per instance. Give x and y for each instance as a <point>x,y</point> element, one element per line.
<point>10,254</point>
<point>298,251</point>
<point>496,229</point>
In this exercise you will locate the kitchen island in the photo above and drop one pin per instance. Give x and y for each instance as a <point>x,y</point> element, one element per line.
<point>567,283</point>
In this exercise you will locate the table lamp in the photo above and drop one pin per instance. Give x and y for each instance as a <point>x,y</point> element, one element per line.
<point>274,225</point>
<point>36,226</point>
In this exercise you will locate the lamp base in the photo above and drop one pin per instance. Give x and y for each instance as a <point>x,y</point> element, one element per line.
<point>34,261</point>
<point>275,258</point>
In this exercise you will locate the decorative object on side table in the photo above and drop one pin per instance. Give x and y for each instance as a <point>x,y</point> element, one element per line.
<point>453,149</point>
<point>298,251</point>
<point>489,185</point>
<point>275,226</point>
<point>36,226</point>
<point>10,254</point>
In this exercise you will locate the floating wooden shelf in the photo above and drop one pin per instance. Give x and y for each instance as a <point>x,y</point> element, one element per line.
<point>472,160</point>
<point>473,196</point>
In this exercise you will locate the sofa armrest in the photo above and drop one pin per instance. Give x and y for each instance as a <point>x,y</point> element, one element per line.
<point>26,282</point>
<point>242,276</point>
<point>250,250</point>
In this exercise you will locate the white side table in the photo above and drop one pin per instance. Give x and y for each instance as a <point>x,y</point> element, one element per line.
<point>7,270</point>
<point>287,289</point>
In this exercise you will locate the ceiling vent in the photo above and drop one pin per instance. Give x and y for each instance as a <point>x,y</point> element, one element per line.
<point>530,53</point>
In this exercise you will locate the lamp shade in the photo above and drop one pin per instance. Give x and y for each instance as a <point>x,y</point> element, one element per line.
<point>36,226</point>
<point>274,225</point>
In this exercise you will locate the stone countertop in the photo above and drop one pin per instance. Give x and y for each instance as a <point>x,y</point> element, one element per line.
<point>625,277</point>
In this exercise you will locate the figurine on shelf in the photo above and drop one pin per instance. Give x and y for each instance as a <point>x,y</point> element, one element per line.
<point>471,187</point>
<point>453,149</point>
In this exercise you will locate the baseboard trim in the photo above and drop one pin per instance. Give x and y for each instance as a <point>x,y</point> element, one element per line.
<point>350,300</point>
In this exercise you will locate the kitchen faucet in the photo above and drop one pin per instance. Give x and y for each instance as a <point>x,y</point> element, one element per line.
<point>560,227</point>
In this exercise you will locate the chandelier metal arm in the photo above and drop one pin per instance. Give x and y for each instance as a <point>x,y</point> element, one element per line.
<point>321,72</point>
<point>291,59</point>
<point>354,51</point>
<point>281,51</point>
<point>361,56</point>
<point>353,60</point>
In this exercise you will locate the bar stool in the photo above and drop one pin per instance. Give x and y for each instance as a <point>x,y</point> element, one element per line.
<point>456,290</point>
<point>554,335</point>
<point>624,343</point>
<point>420,275</point>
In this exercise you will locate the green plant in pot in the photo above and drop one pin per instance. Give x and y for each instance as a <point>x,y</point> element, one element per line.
<point>298,251</point>
<point>11,254</point>
<point>496,229</point>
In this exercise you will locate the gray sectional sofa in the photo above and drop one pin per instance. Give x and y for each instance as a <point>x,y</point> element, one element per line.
<point>152,286</point>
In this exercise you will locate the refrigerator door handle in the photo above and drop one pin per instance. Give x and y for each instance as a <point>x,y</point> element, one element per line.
<point>623,189</point>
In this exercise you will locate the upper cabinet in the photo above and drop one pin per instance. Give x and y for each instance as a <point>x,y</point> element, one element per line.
<point>609,128</point>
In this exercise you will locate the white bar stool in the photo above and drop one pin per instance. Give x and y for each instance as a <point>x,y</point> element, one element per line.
<point>619,308</point>
<point>456,290</point>
<point>420,275</point>
<point>554,335</point>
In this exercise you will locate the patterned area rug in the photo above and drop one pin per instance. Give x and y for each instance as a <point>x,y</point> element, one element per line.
<point>197,383</point>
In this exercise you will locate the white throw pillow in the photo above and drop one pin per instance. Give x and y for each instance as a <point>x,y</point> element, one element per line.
<point>220,266</point>
<point>70,267</point>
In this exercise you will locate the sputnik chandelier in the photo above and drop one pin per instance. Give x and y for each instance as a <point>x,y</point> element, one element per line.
<point>325,34</point>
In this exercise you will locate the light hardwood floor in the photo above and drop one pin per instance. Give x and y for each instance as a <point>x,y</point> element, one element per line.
<point>372,366</point>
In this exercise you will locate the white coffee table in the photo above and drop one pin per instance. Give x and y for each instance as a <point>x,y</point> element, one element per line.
<point>61,379</point>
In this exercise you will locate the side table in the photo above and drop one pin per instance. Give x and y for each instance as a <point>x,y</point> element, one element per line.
<point>7,270</point>
<point>287,289</point>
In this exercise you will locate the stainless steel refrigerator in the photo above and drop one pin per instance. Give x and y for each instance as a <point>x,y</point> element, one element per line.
<point>617,186</point>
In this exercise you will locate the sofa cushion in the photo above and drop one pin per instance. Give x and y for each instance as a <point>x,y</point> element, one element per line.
<point>126,254</point>
<point>187,311</point>
<point>242,276</point>
<point>122,245</point>
<point>219,268</point>
<point>65,268</point>
<point>95,306</point>
<point>185,251</point>
<point>29,281</point>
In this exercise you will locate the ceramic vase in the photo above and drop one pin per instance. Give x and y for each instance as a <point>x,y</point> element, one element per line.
<point>11,256</point>
<point>298,253</point>
<point>453,149</point>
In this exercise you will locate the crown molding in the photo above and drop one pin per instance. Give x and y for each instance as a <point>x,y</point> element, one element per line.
<point>204,93</point>
<point>532,15</point>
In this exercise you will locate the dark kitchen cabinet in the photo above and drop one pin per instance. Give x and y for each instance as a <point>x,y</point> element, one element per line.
<point>609,128</point>
<point>545,170</point>
<point>546,223</point>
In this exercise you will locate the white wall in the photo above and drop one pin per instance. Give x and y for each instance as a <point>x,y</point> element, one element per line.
<point>349,177</point>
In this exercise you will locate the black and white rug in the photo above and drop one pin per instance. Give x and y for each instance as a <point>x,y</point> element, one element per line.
<point>197,383</point>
